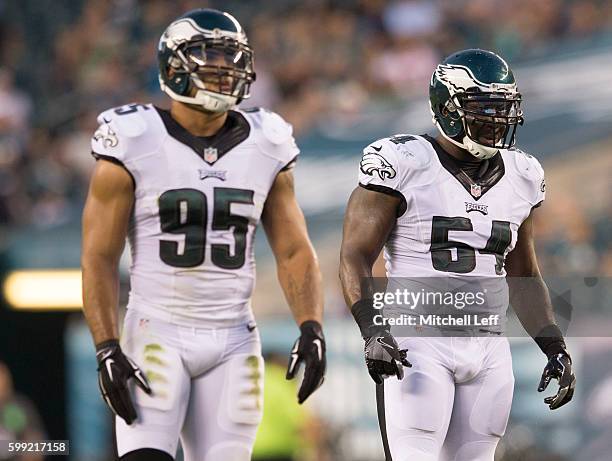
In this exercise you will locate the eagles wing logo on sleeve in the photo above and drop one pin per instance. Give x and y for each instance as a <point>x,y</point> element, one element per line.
<point>374,162</point>
<point>106,134</point>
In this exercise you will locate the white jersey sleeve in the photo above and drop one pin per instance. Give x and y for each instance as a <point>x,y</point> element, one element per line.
<point>379,168</point>
<point>530,176</point>
<point>125,135</point>
<point>274,136</point>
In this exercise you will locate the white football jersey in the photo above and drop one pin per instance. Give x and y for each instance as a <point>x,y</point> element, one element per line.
<point>197,204</point>
<point>449,226</point>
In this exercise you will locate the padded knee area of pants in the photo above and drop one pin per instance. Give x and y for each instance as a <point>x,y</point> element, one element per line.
<point>147,454</point>
<point>229,451</point>
<point>417,445</point>
<point>413,454</point>
<point>476,451</point>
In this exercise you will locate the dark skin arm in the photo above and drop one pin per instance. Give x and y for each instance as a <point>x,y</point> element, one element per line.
<point>531,302</point>
<point>528,292</point>
<point>370,217</point>
<point>105,222</point>
<point>297,265</point>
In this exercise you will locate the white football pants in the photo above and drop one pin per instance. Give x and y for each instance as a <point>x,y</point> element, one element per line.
<point>452,405</point>
<point>207,389</point>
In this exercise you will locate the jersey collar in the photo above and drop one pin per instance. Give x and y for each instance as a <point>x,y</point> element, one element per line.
<point>234,131</point>
<point>476,187</point>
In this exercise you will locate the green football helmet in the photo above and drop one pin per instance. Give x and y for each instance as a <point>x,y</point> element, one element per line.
<point>205,60</point>
<point>475,102</point>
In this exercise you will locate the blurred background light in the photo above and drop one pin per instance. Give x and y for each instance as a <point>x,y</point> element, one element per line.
<point>43,289</point>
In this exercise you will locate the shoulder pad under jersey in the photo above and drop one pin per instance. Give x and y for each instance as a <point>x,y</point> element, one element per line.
<point>126,130</point>
<point>527,165</point>
<point>412,150</point>
<point>272,134</point>
<point>529,169</point>
<point>396,162</point>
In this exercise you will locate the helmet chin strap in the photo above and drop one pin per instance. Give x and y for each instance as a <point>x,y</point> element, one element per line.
<point>209,100</point>
<point>477,150</point>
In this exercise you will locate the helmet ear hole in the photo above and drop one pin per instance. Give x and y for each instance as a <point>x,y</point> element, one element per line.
<point>449,110</point>
<point>174,62</point>
<point>450,107</point>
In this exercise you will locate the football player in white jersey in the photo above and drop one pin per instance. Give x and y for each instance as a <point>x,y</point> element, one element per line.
<point>458,207</point>
<point>188,187</point>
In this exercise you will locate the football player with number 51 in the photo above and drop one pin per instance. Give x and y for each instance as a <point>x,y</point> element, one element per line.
<point>188,188</point>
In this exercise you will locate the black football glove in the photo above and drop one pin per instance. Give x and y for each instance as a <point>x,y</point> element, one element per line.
<point>384,358</point>
<point>114,371</point>
<point>559,367</point>
<point>310,349</point>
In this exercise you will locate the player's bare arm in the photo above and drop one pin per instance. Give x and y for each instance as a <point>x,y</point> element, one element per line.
<point>370,217</point>
<point>105,222</point>
<point>298,268</point>
<point>527,288</point>
<point>300,278</point>
<point>531,301</point>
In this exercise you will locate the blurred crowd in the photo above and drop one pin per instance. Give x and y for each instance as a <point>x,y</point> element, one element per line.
<point>19,419</point>
<point>62,62</point>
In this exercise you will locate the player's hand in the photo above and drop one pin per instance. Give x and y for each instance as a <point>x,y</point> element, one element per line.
<point>559,367</point>
<point>114,371</point>
<point>384,358</point>
<point>310,349</point>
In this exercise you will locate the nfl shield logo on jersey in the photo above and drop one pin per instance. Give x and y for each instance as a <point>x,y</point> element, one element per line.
<point>475,190</point>
<point>210,154</point>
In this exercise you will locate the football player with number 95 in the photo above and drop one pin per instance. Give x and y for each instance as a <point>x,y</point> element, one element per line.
<point>458,207</point>
<point>188,187</point>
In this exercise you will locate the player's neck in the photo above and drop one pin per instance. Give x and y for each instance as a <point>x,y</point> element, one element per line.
<point>455,151</point>
<point>198,123</point>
